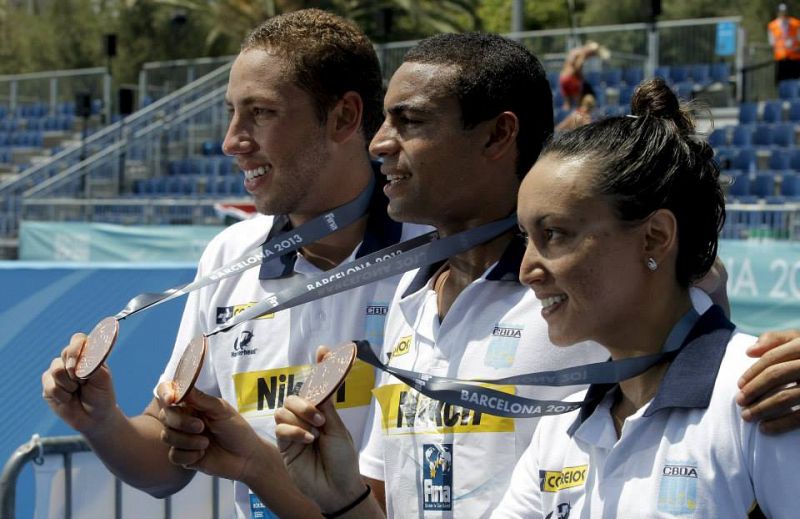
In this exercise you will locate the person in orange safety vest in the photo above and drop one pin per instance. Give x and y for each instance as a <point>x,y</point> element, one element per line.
<point>783,33</point>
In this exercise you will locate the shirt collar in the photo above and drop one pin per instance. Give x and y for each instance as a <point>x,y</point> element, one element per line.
<point>506,269</point>
<point>381,232</point>
<point>690,377</point>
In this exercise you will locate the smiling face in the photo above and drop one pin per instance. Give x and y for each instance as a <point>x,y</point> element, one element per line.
<point>436,168</point>
<point>585,265</point>
<point>276,136</point>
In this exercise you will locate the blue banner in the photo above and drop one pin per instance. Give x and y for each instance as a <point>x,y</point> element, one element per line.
<point>100,242</point>
<point>763,283</point>
<point>726,39</point>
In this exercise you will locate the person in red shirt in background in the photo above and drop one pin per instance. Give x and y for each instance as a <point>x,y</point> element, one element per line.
<point>783,34</point>
<point>570,80</point>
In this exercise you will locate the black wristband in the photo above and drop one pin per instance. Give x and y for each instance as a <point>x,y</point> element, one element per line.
<point>349,507</point>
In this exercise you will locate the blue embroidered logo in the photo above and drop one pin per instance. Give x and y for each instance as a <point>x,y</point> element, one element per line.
<point>677,494</point>
<point>437,476</point>
<point>373,325</point>
<point>503,346</point>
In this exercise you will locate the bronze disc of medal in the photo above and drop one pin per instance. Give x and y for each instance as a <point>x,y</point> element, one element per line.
<point>97,347</point>
<point>326,377</point>
<point>188,368</point>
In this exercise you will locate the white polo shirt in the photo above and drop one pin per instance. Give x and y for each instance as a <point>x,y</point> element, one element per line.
<point>685,454</point>
<point>256,364</point>
<point>441,460</point>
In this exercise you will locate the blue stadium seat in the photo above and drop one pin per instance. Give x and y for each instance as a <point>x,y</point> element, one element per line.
<point>780,159</point>
<point>633,76</point>
<point>762,135</point>
<point>783,135</point>
<point>720,72</point>
<point>678,73</point>
<point>745,159</point>
<point>612,77</point>
<point>740,184</point>
<point>625,95</point>
<point>748,113</point>
<point>742,135</point>
<point>663,72</point>
<point>212,147</point>
<point>790,184</point>
<point>685,90</point>
<point>552,77</point>
<point>789,89</point>
<point>773,112</point>
<point>763,184</point>
<point>700,73</point>
<point>719,137</point>
<point>593,77</point>
<point>794,110</point>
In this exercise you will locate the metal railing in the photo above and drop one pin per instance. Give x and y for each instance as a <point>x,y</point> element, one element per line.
<point>56,86</point>
<point>95,147</point>
<point>38,448</point>
<point>158,78</point>
<point>762,221</point>
<point>678,42</point>
<point>35,450</point>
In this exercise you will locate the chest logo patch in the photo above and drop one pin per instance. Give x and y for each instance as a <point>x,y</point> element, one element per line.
<point>503,346</point>
<point>677,493</point>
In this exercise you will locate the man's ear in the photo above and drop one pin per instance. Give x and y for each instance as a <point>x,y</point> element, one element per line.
<point>344,120</point>
<point>502,135</point>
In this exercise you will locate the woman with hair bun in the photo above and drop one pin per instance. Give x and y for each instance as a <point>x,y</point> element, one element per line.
<point>622,215</point>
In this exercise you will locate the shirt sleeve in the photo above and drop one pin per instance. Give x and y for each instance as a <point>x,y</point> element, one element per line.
<point>773,461</point>
<point>371,454</point>
<point>523,498</point>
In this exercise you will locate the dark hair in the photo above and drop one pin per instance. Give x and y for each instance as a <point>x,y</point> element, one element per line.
<point>328,57</point>
<point>495,75</point>
<point>653,160</point>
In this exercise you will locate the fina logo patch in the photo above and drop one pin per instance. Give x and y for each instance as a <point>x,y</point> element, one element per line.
<point>437,476</point>
<point>677,493</point>
<point>503,346</point>
<point>568,477</point>
<point>402,347</point>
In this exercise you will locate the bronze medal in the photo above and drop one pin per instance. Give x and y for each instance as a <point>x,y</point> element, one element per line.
<point>97,347</point>
<point>188,368</point>
<point>326,377</point>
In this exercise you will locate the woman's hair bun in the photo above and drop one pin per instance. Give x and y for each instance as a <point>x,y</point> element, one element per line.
<point>654,98</point>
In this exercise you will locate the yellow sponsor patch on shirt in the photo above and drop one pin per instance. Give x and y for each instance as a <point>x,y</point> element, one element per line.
<point>402,347</point>
<point>265,391</point>
<point>568,477</point>
<point>237,309</point>
<point>406,411</point>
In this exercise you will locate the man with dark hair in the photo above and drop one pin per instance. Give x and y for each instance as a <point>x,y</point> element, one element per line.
<point>466,117</point>
<point>304,98</point>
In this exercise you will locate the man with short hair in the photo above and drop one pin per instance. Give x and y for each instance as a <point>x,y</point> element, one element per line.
<point>304,98</point>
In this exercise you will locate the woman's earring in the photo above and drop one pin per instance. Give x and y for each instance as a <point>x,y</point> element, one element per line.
<point>651,264</point>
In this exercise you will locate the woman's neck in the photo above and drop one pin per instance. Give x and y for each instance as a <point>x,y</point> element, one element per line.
<point>648,337</point>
